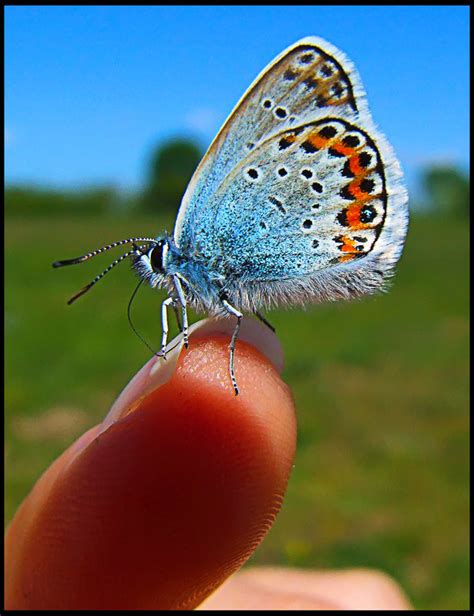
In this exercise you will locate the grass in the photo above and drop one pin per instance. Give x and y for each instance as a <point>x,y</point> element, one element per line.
<point>381,388</point>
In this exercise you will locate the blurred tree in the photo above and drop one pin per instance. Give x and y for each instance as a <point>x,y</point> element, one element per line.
<point>171,167</point>
<point>447,189</point>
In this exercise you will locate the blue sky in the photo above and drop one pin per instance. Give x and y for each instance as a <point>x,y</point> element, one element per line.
<point>91,90</point>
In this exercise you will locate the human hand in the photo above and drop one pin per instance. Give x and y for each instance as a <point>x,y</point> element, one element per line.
<point>156,507</point>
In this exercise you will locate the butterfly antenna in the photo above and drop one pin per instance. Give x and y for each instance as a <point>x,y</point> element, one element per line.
<point>129,315</point>
<point>97,278</point>
<point>77,260</point>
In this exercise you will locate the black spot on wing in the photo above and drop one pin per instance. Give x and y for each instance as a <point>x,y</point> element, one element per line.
<point>351,141</point>
<point>276,202</point>
<point>367,185</point>
<point>290,75</point>
<point>327,132</point>
<point>284,143</point>
<point>308,147</point>
<point>367,214</point>
<point>306,58</point>
<point>310,82</point>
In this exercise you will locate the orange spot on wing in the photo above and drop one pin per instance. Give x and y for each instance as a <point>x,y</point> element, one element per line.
<point>317,141</point>
<point>348,244</point>
<point>355,167</point>
<point>353,216</point>
<point>355,190</point>
<point>343,149</point>
<point>358,194</point>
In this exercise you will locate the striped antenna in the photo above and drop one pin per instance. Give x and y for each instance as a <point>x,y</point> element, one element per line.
<point>100,250</point>
<point>106,271</point>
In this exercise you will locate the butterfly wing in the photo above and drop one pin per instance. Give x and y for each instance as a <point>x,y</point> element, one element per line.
<point>299,197</point>
<point>309,80</point>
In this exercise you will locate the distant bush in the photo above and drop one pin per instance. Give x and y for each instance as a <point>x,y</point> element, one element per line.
<point>447,190</point>
<point>171,167</point>
<point>36,201</point>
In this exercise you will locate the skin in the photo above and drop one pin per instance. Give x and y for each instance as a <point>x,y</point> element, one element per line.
<point>162,503</point>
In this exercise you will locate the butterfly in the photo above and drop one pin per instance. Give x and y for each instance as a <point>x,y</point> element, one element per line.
<point>299,199</point>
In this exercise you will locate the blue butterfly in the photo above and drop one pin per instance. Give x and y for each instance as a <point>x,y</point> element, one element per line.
<point>298,199</point>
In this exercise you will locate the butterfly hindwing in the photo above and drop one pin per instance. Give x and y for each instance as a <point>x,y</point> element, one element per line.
<point>303,200</point>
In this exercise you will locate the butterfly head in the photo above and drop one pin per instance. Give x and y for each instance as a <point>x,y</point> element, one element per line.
<point>150,261</point>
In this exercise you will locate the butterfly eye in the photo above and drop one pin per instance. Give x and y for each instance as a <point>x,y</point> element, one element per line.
<point>156,258</point>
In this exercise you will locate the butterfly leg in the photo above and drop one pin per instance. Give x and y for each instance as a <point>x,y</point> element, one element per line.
<point>231,310</point>
<point>164,324</point>
<point>264,320</point>
<point>182,300</point>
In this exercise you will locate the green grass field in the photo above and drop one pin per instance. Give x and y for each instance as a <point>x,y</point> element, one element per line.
<point>381,389</point>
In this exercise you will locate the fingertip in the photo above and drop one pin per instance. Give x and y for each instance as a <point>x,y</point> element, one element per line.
<point>159,371</point>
